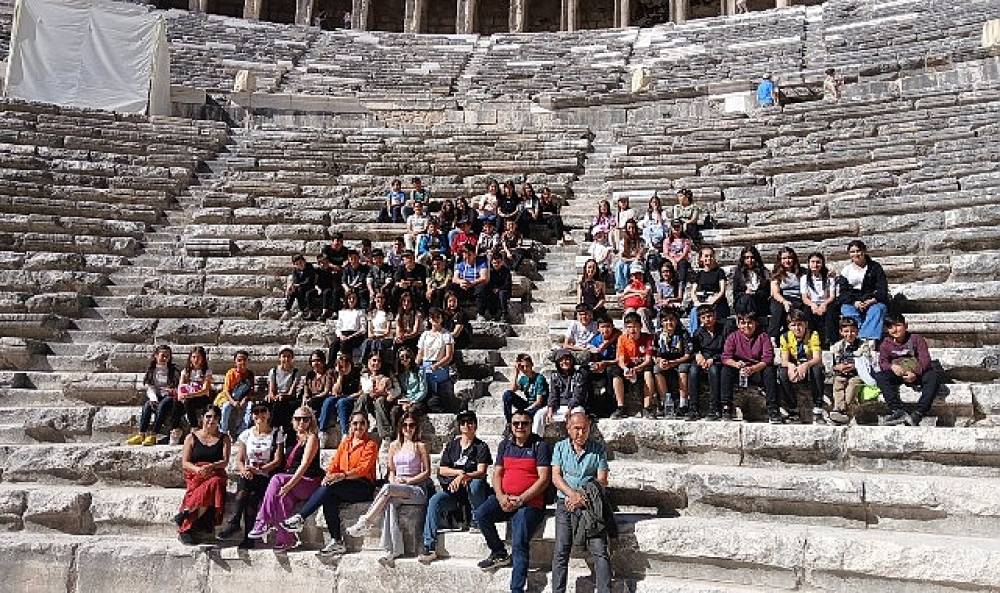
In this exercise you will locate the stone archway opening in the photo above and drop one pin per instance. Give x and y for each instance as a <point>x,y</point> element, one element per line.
<point>387,15</point>
<point>168,4</point>
<point>233,8</point>
<point>440,16</point>
<point>543,15</point>
<point>699,9</point>
<point>494,17</point>
<point>329,14</point>
<point>595,14</point>
<point>646,13</point>
<point>759,5</point>
<point>278,11</point>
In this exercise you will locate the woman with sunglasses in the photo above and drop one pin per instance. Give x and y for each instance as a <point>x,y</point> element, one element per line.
<point>258,454</point>
<point>412,387</point>
<point>409,483</point>
<point>297,481</point>
<point>379,395</point>
<point>205,456</point>
<point>349,478</point>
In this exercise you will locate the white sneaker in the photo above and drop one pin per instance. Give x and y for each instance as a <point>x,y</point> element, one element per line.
<point>334,548</point>
<point>359,529</point>
<point>388,561</point>
<point>293,524</point>
<point>297,316</point>
<point>285,316</point>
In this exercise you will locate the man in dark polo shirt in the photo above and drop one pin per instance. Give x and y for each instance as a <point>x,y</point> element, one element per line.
<point>520,477</point>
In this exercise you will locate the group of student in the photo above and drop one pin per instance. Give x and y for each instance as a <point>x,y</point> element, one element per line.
<point>280,485</point>
<point>681,328</point>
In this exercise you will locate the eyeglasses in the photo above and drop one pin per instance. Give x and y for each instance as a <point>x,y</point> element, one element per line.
<point>521,424</point>
<point>471,422</point>
<point>315,360</point>
<point>409,425</point>
<point>209,416</point>
<point>300,418</point>
<point>359,423</point>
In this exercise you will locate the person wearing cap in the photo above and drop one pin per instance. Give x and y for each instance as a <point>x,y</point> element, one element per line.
<point>767,92</point>
<point>301,285</point>
<point>637,296</point>
<point>601,251</point>
<point>259,453</point>
<point>283,388</point>
<point>535,390</point>
<point>411,278</point>
<point>464,236</point>
<point>470,279</point>
<point>568,388</point>
<point>462,475</point>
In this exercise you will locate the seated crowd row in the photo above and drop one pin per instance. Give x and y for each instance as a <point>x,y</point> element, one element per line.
<point>280,485</point>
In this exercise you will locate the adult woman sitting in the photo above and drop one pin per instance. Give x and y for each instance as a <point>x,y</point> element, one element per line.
<point>412,387</point>
<point>318,382</point>
<point>204,460</point>
<point>654,224</point>
<point>380,327</point>
<point>786,290</point>
<point>350,478</point>
<point>751,286</point>
<point>435,352</point>
<point>677,248</point>
<point>409,323</point>
<point>819,295</point>
<point>604,221</point>
<point>343,395</point>
<point>863,291</point>
<point>590,290</point>
<point>633,250</point>
<point>297,481</point>
<point>259,453</point>
<point>409,483</point>
<point>351,328</point>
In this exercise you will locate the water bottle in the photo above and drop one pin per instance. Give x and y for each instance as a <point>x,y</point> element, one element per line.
<point>743,380</point>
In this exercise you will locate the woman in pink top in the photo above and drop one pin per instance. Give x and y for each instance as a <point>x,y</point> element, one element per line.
<point>409,482</point>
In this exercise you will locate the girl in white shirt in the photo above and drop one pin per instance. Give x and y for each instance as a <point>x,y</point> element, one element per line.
<point>435,352</point>
<point>351,328</point>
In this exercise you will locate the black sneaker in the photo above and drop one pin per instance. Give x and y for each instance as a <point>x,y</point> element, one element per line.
<point>713,416</point>
<point>727,415</point>
<point>495,561</point>
<point>775,418</point>
<point>896,418</point>
<point>181,516</point>
<point>669,413</point>
<point>186,538</point>
<point>692,416</point>
<point>228,531</point>
<point>473,527</point>
<point>618,414</point>
<point>247,544</point>
<point>914,419</point>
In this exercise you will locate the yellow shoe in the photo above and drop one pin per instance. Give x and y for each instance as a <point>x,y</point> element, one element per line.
<point>135,439</point>
<point>149,441</point>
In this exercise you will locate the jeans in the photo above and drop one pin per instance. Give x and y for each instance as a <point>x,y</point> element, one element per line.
<point>765,378</point>
<point>225,423</point>
<point>814,378</point>
<point>163,410</point>
<point>439,385</point>
<point>714,373</point>
<point>497,303</point>
<point>721,313</point>
<point>889,384</point>
<point>598,547</point>
<point>330,497</point>
<point>523,523</point>
<point>342,406</point>
<point>445,502</point>
<point>621,274</point>
<point>512,400</point>
<point>870,322</point>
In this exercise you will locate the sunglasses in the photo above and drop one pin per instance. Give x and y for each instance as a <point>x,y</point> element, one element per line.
<point>259,412</point>
<point>409,425</point>
<point>359,424</point>
<point>316,360</point>
<point>472,422</point>
<point>300,418</point>
<point>209,416</point>
<point>521,424</point>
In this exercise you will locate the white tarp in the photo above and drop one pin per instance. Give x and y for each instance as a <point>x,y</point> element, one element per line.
<point>89,53</point>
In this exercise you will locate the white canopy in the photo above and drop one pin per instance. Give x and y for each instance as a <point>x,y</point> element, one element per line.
<point>89,53</point>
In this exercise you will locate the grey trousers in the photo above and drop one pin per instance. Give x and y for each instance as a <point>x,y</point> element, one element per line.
<point>597,546</point>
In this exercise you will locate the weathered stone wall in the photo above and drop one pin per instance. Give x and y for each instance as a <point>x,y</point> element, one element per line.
<point>440,16</point>
<point>596,14</point>
<point>493,17</point>
<point>704,8</point>
<point>543,15</point>
<point>386,15</point>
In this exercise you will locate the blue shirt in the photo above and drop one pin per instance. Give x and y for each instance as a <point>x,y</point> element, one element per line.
<point>467,272</point>
<point>765,90</point>
<point>578,470</point>
<point>611,353</point>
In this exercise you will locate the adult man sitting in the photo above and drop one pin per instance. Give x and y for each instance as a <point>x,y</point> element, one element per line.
<point>583,514</point>
<point>462,474</point>
<point>520,476</point>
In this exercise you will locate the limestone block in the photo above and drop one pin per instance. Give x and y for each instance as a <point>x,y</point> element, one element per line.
<point>107,565</point>
<point>51,424</point>
<point>265,571</point>
<point>182,284</point>
<point>39,326</point>
<point>191,306</point>
<point>19,352</point>
<point>37,563</point>
<point>130,510</point>
<point>129,329</point>
<point>115,421</point>
<point>188,331</point>
<point>62,510</point>
<point>53,261</point>
<point>768,444</point>
<point>67,304</point>
<point>244,285</point>
<point>974,268</point>
<point>671,441</point>
<point>12,504</point>
<point>256,332</point>
<point>647,484</point>
<point>104,389</point>
<point>295,231</point>
<point>271,216</point>
<point>960,452</point>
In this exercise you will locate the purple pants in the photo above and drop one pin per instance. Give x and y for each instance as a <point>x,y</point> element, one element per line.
<point>277,508</point>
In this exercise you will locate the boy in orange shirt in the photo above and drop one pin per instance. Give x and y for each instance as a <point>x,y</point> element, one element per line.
<point>635,358</point>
